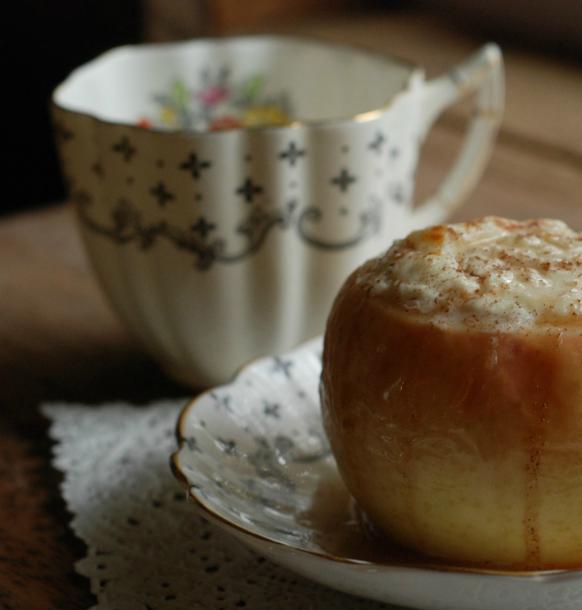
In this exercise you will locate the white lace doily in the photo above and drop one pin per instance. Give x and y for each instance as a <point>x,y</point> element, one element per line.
<point>147,548</point>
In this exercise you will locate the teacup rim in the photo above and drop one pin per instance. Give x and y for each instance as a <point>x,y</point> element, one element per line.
<point>360,117</point>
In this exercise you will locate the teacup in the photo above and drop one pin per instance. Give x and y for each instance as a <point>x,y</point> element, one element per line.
<point>225,188</point>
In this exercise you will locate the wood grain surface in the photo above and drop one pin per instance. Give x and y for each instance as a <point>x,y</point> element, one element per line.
<point>60,341</point>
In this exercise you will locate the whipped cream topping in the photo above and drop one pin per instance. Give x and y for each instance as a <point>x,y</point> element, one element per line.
<point>490,273</point>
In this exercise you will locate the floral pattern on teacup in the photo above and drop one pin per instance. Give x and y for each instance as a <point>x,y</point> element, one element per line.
<point>219,103</point>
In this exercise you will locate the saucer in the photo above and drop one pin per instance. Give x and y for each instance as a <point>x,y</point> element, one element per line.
<point>255,459</point>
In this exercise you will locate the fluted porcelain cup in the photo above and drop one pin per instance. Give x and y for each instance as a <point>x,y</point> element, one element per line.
<point>226,188</point>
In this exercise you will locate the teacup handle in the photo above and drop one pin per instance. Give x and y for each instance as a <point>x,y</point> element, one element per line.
<point>481,75</point>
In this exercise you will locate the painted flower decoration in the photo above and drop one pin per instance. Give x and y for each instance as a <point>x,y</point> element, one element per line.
<point>213,95</point>
<point>144,123</point>
<point>256,116</point>
<point>224,123</point>
<point>219,104</point>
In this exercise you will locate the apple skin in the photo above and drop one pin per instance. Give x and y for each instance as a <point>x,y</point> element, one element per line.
<point>460,444</point>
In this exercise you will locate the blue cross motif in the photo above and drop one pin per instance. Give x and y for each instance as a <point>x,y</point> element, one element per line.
<point>343,180</point>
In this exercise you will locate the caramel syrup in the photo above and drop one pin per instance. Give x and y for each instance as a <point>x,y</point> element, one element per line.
<point>535,443</point>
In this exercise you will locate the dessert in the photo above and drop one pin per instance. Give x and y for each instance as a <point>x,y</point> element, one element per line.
<point>452,392</point>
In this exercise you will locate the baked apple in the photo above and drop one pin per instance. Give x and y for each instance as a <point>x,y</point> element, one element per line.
<point>452,392</point>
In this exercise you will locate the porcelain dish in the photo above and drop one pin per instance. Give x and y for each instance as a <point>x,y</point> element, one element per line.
<point>255,459</point>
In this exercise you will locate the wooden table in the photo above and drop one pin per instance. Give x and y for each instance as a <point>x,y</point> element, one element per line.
<point>59,340</point>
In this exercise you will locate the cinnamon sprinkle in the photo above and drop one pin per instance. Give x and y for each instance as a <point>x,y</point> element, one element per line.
<point>491,272</point>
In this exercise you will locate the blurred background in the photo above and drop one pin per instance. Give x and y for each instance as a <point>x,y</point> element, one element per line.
<point>44,41</point>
